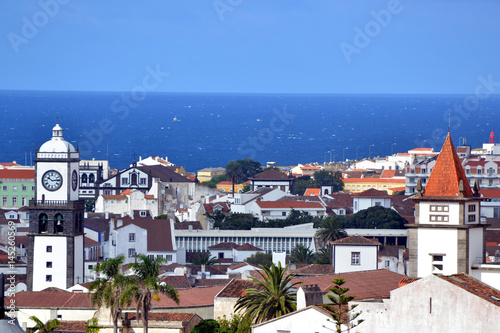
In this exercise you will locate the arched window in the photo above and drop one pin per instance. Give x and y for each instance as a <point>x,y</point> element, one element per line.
<point>84,178</point>
<point>43,221</point>
<point>326,191</point>
<point>134,179</point>
<point>91,178</point>
<point>58,223</point>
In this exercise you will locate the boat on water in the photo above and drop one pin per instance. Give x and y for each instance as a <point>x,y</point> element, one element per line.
<point>176,119</point>
<point>258,119</point>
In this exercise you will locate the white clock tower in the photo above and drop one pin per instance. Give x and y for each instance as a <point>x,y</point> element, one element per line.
<point>56,249</point>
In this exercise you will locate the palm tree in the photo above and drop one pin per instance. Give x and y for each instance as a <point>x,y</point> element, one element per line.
<point>148,285</point>
<point>271,298</point>
<point>204,258</point>
<point>301,255</point>
<point>331,229</point>
<point>234,172</point>
<point>324,255</point>
<point>40,327</point>
<point>112,289</point>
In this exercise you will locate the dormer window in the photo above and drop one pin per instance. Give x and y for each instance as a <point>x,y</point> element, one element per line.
<point>142,213</point>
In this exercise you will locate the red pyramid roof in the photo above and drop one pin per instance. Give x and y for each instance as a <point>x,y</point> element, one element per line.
<point>445,178</point>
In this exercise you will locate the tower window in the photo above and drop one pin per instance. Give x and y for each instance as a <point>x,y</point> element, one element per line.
<point>48,264</point>
<point>472,208</point>
<point>91,178</point>
<point>84,178</point>
<point>58,223</point>
<point>472,218</point>
<point>42,223</point>
<point>49,248</point>
<point>48,278</point>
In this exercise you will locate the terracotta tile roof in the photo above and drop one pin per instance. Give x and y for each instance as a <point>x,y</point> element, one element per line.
<point>177,281</point>
<point>226,182</point>
<point>389,250</point>
<point>314,269</point>
<point>312,192</point>
<point>475,287</point>
<point>127,192</point>
<point>374,284</point>
<point>248,247</point>
<point>270,175</point>
<point>88,242</point>
<point>212,269</point>
<point>148,196</point>
<point>209,208</point>
<point>490,193</point>
<point>355,240</point>
<point>289,204</point>
<point>196,225</point>
<point>223,246</point>
<point>165,174</point>
<point>7,164</point>
<point>164,316</point>
<point>388,173</point>
<point>72,326</point>
<point>236,288</point>
<point>47,299</point>
<point>374,180</point>
<point>447,174</point>
<point>372,193</point>
<point>17,174</point>
<point>407,280</point>
<point>398,189</point>
<point>211,282</point>
<point>114,196</point>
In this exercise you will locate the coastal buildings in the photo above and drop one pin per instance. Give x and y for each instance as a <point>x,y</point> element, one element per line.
<point>205,175</point>
<point>17,186</point>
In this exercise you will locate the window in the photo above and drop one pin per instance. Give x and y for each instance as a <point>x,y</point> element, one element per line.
<point>4,201</point>
<point>23,188</point>
<point>142,181</point>
<point>491,171</point>
<point>134,179</point>
<point>378,203</point>
<point>124,181</point>
<point>14,201</point>
<point>283,213</point>
<point>91,178</point>
<point>84,178</point>
<point>142,213</point>
<point>472,208</point>
<point>23,201</point>
<point>355,258</point>
<point>4,188</point>
<point>479,171</point>
<point>131,237</point>
<point>159,256</point>
<point>107,192</point>
<point>439,218</point>
<point>48,264</point>
<point>387,264</point>
<point>221,255</point>
<point>437,263</point>
<point>496,212</point>
<point>437,258</point>
<point>48,278</point>
<point>472,218</point>
<point>49,248</point>
<point>58,223</point>
<point>467,171</point>
<point>131,253</point>
<point>439,208</point>
<point>168,257</point>
<point>14,188</point>
<point>91,266</point>
<point>32,188</point>
<point>490,182</point>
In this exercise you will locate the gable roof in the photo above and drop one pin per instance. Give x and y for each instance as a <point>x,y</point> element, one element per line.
<point>270,175</point>
<point>236,288</point>
<point>164,174</point>
<point>447,174</point>
<point>177,281</point>
<point>372,193</point>
<point>184,225</point>
<point>248,247</point>
<point>312,192</point>
<point>159,232</point>
<point>290,204</point>
<point>355,240</point>
<point>224,246</point>
<point>17,174</point>
<point>474,286</point>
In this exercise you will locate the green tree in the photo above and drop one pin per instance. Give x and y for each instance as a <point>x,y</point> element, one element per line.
<point>234,172</point>
<point>148,285</point>
<point>376,217</point>
<point>206,326</point>
<point>301,255</point>
<point>40,327</point>
<point>237,222</point>
<point>92,325</point>
<point>324,177</point>
<point>214,181</point>
<point>235,324</point>
<point>260,258</point>
<point>324,255</point>
<point>301,184</point>
<point>89,205</point>
<point>249,167</point>
<point>271,298</point>
<point>341,311</point>
<point>111,289</point>
<point>331,229</point>
<point>204,258</point>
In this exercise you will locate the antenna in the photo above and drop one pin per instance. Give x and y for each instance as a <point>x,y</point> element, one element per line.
<point>449,122</point>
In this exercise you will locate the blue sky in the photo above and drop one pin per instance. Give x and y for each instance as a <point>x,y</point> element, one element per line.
<point>259,46</point>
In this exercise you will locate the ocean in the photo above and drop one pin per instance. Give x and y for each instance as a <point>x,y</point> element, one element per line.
<point>208,130</point>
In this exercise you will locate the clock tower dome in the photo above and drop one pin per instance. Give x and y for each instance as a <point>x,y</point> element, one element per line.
<point>56,249</point>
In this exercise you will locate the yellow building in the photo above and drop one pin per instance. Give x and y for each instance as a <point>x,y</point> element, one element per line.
<point>205,175</point>
<point>356,185</point>
<point>227,186</point>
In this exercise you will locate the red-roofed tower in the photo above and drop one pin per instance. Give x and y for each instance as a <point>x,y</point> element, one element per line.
<point>447,237</point>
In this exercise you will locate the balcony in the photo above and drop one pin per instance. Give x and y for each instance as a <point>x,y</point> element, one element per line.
<point>56,204</point>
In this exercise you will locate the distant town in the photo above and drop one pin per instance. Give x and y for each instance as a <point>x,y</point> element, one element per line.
<point>414,236</point>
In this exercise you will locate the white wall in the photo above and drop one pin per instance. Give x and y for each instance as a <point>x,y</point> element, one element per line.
<point>58,257</point>
<point>342,258</point>
<point>307,320</point>
<point>437,241</point>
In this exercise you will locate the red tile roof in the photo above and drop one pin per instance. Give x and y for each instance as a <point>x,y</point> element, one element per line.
<point>490,193</point>
<point>196,225</point>
<point>177,281</point>
<point>190,297</point>
<point>312,192</point>
<point>17,174</point>
<point>48,299</point>
<point>447,173</point>
<point>475,287</point>
<point>355,240</point>
<point>211,282</point>
<point>224,246</point>
<point>314,269</point>
<point>372,193</point>
<point>7,164</point>
<point>209,208</point>
<point>248,247</point>
<point>164,316</point>
<point>88,242</point>
<point>289,204</point>
<point>374,180</point>
<point>270,175</point>
<point>112,196</point>
<point>388,173</point>
<point>236,288</point>
<point>159,233</point>
<point>72,326</point>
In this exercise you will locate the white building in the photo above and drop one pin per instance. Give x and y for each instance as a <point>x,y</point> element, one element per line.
<point>370,198</point>
<point>272,178</point>
<point>354,254</point>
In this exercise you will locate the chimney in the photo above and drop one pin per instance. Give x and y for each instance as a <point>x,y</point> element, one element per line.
<point>309,295</point>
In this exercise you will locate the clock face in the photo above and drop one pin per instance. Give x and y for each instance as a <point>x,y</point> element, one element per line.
<point>52,180</point>
<point>74,180</point>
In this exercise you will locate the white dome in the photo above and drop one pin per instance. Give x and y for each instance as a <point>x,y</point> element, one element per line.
<point>57,144</point>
